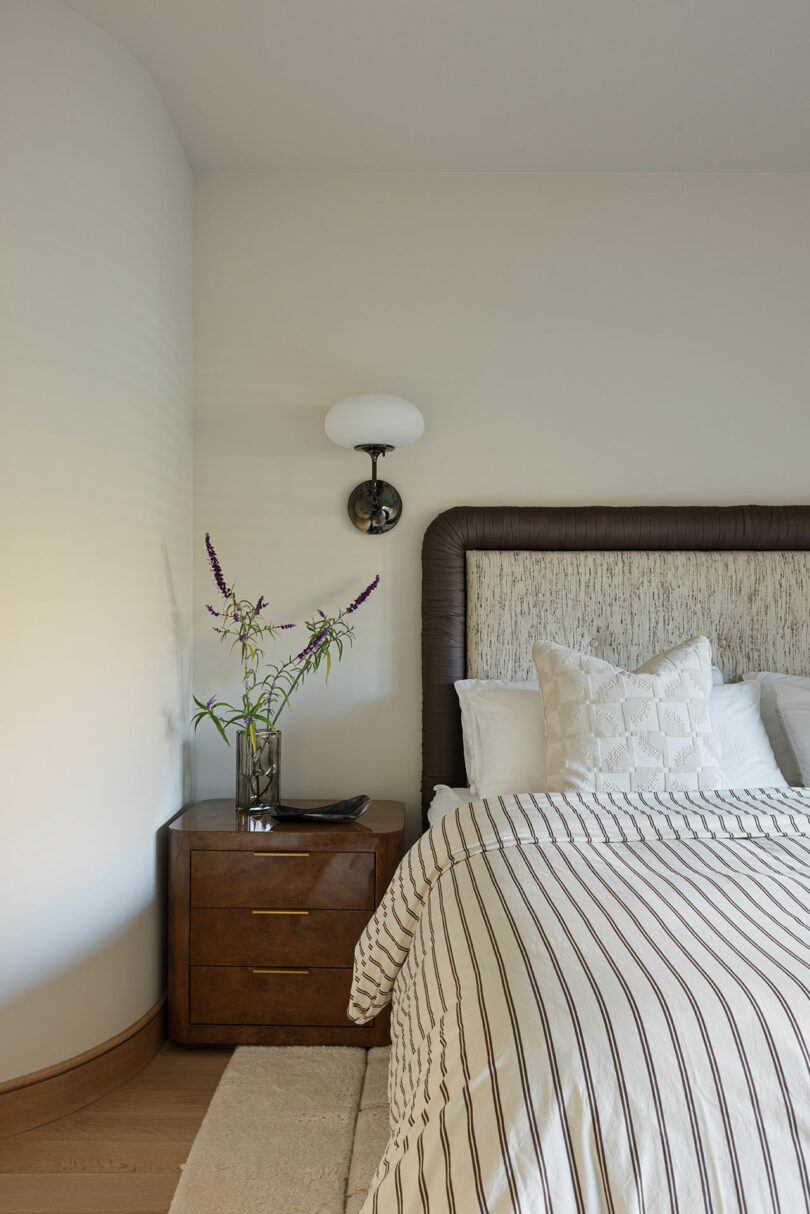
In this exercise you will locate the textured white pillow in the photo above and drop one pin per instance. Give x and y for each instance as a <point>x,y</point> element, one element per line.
<point>745,752</point>
<point>469,692</point>
<point>793,710</point>
<point>612,730</point>
<point>782,749</point>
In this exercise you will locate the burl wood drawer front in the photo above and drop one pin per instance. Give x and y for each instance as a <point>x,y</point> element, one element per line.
<point>224,995</point>
<point>268,879</point>
<point>272,937</point>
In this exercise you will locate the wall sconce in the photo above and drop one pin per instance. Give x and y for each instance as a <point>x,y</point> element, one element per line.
<point>375,423</point>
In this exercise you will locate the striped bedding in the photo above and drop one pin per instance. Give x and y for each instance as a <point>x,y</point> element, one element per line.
<point>599,1003</point>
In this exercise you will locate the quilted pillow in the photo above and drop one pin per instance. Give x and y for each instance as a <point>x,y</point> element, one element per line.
<point>613,730</point>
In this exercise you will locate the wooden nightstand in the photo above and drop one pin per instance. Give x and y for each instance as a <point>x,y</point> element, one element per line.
<point>263,920</point>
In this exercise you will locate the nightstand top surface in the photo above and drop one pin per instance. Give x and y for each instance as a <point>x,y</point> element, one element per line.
<point>381,818</point>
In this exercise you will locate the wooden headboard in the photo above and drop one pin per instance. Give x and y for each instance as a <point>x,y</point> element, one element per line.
<point>586,529</point>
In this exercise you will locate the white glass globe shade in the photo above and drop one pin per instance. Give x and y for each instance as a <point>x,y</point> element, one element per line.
<point>374,419</point>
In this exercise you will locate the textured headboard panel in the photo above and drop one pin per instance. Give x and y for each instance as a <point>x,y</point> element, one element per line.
<point>771,596</point>
<point>627,606</point>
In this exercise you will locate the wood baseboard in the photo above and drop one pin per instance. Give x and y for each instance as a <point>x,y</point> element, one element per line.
<point>58,1090</point>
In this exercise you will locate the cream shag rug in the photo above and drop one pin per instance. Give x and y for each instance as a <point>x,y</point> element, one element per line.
<point>290,1130</point>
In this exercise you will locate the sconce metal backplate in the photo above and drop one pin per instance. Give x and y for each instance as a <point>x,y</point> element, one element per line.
<point>375,507</point>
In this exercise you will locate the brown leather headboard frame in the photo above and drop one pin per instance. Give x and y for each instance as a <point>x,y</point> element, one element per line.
<point>539,528</point>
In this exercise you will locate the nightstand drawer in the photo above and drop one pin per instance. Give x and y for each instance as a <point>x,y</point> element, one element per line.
<point>225,995</point>
<point>275,937</point>
<point>275,879</point>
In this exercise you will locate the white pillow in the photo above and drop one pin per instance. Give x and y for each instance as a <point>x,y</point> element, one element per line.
<point>469,692</point>
<point>445,800</point>
<point>509,728</point>
<point>793,711</point>
<point>504,728</point>
<point>745,752</point>
<point>782,748</point>
<point>613,730</point>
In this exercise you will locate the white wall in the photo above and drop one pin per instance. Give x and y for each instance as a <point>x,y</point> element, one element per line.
<point>570,339</point>
<point>95,477</point>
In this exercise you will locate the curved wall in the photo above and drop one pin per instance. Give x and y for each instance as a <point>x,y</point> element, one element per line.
<point>95,529</point>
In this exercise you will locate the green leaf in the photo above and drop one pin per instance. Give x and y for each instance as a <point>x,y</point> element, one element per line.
<point>221,730</point>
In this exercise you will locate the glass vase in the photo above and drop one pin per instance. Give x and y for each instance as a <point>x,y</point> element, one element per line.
<point>258,769</point>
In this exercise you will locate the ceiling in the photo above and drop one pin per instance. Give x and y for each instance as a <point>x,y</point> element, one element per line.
<point>477,85</point>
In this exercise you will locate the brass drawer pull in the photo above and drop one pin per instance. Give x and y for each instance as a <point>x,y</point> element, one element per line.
<point>278,912</point>
<point>280,971</point>
<point>281,853</point>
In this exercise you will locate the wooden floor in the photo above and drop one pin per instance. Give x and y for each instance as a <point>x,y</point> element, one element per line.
<point>121,1155</point>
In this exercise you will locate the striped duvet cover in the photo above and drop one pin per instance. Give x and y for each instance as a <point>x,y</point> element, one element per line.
<point>599,1003</point>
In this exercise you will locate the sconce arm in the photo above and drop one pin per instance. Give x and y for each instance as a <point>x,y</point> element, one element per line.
<point>376,451</point>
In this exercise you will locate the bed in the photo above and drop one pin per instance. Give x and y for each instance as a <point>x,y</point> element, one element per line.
<point>600,1002</point>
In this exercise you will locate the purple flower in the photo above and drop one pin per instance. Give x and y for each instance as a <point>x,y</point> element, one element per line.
<point>236,616</point>
<point>217,629</point>
<point>216,569</point>
<point>210,702</point>
<point>361,598</point>
<point>282,626</point>
<point>314,644</point>
<point>208,607</point>
<point>260,606</point>
<point>321,614</point>
<point>243,636</point>
<point>246,720</point>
